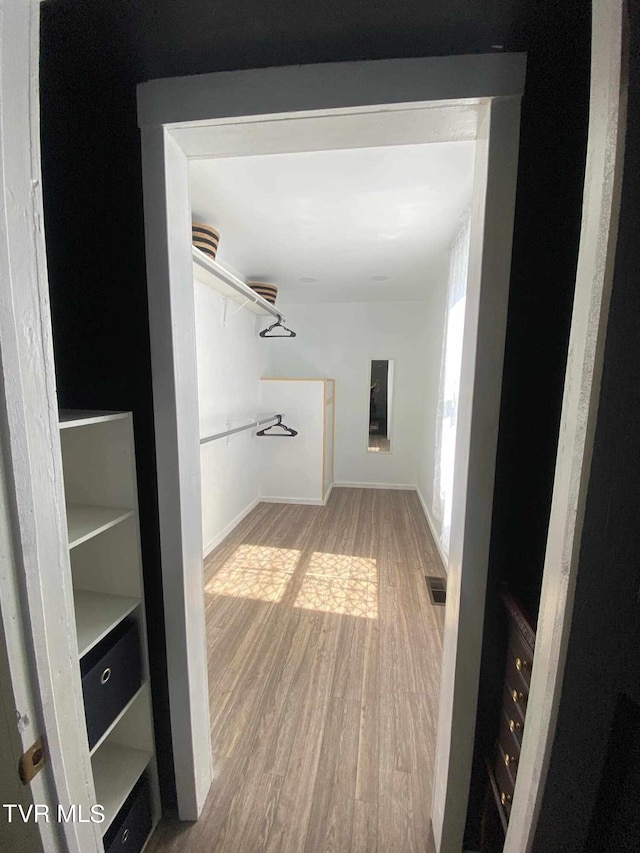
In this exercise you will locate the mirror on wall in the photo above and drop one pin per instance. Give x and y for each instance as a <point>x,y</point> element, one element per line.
<point>380,400</point>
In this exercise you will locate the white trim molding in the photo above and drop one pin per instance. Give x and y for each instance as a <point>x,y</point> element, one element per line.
<point>492,214</point>
<point>404,487</point>
<point>300,501</point>
<point>39,654</point>
<point>444,559</point>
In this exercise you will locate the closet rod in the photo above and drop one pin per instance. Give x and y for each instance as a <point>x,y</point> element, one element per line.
<point>255,423</point>
<point>212,269</point>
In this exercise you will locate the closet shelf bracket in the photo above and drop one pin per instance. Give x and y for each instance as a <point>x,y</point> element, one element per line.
<point>241,305</point>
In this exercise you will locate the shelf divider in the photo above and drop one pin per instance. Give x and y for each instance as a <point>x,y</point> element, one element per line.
<point>97,613</point>
<point>144,688</point>
<point>116,769</point>
<point>69,418</point>
<point>84,521</point>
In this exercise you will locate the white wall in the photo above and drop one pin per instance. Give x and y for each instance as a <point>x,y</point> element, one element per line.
<point>435,316</point>
<point>230,364</point>
<point>338,341</point>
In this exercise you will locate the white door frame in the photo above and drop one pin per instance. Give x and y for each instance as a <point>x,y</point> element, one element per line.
<point>39,671</point>
<point>176,117</point>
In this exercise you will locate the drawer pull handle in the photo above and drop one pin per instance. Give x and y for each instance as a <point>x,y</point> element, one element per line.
<point>515,726</point>
<point>517,697</point>
<point>510,760</point>
<point>522,664</point>
<point>505,798</point>
<point>125,836</point>
<point>106,675</point>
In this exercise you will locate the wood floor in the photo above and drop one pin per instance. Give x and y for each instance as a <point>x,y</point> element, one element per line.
<point>324,664</point>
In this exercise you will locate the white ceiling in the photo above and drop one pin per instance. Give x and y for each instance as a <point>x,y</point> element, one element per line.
<point>368,224</point>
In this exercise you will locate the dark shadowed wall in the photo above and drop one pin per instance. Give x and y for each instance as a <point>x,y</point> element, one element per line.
<point>599,717</point>
<point>94,53</point>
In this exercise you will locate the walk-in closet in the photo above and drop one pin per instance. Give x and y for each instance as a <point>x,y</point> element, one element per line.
<point>329,295</point>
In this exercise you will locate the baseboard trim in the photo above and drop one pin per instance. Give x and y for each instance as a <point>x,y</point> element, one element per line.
<point>405,487</point>
<point>326,497</point>
<point>302,501</point>
<point>227,530</point>
<point>443,557</point>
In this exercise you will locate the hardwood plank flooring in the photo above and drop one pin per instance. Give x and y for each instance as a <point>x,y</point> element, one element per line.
<point>324,664</point>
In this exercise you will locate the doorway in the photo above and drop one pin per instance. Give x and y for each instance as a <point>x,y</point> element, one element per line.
<point>315,591</point>
<point>176,128</point>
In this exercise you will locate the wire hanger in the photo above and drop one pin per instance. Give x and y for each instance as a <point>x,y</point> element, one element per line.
<point>278,324</point>
<point>288,432</point>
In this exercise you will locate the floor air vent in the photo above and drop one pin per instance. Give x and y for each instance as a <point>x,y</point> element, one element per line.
<point>437,589</point>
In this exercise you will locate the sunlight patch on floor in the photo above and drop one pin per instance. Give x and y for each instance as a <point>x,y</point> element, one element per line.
<point>331,583</point>
<point>339,583</point>
<point>249,557</point>
<point>255,571</point>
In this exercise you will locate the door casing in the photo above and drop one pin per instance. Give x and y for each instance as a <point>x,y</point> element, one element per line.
<point>308,108</point>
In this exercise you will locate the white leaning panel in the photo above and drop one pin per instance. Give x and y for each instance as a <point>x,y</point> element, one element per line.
<point>292,467</point>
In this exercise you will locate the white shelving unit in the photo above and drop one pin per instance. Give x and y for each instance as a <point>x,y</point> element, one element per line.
<point>104,540</point>
<point>210,272</point>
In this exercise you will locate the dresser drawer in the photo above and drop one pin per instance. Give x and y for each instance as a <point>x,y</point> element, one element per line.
<point>111,675</point>
<point>505,783</point>
<point>514,713</point>
<point>132,825</point>
<point>518,687</point>
<point>509,743</point>
<point>520,655</point>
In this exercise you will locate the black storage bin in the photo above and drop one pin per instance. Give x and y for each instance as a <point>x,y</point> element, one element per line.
<point>111,675</point>
<point>132,825</point>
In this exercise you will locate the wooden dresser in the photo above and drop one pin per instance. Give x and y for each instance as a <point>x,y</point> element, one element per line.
<point>502,766</point>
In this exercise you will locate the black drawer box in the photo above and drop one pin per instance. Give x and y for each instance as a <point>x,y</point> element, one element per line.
<point>132,825</point>
<point>111,675</point>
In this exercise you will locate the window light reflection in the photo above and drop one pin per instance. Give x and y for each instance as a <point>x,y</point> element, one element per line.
<point>339,583</point>
<point>256,572</point>
<point>330,583</point>
<point>261,557</point>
